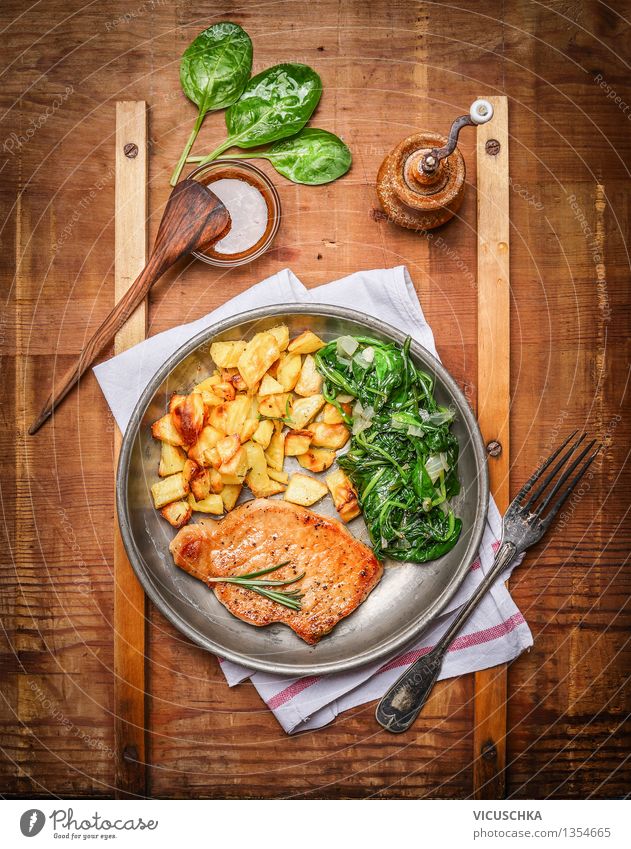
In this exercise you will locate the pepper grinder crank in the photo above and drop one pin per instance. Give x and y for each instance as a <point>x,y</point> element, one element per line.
<point>421,182</point>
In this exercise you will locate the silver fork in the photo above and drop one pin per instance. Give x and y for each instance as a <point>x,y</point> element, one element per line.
<point>523,525</point>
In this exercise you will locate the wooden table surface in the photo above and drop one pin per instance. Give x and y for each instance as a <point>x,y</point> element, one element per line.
<point>389,68</point>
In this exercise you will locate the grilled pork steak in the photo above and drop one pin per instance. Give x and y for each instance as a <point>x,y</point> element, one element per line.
<point>339,570</point>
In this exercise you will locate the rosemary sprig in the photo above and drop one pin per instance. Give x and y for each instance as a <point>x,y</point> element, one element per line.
<point>290,599</point>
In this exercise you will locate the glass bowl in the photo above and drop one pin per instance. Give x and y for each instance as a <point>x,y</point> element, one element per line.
<point>236,169</point>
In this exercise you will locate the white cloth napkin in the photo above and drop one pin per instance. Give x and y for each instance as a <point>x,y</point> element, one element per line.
<point>495,633</point>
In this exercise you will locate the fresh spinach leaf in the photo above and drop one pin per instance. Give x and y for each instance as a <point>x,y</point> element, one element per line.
<point>214,71</point>
<point>275,104</point>
<point>312,157</point>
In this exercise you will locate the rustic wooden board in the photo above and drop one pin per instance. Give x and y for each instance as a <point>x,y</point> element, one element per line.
<point>129,599</point>
<point>492,156</point>
<point>389,69</point>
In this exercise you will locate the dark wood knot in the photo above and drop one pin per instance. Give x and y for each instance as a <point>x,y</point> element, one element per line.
<point>489,752</point>
<point>130,754</point>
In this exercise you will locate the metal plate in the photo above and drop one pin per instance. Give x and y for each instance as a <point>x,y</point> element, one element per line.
<point>409,595</point>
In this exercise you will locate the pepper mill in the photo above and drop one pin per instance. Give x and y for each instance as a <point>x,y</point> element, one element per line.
<point>421,182</point>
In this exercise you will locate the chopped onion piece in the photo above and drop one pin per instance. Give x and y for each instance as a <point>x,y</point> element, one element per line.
<point>344,399</point>
<point>440,418</point>
<point>362,418</point>
<point>434,466</point>
<point>346,346</point>
<point>413,430</point>
<point>360,361</point>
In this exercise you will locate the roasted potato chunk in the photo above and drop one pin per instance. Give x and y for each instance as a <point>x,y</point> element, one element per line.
<point>218,416</point>
<point>310,380</point>
<point>281,334</point>
<point>297,442</point>
<point>189,471</point>
<point>331,415</point>
<point>275,406</point>
<point>165,430</point>
<point>269,386</point>
<point>230,495</point>
<point>238,382</point>
<point>256,458</point>
<point>224,391</point>
<point>210,504</point>
<point>263,433</point>
<point>288,371</point>
<point>304,490</point>
<point>237,465</point>
<point>200,484</point>
<point>230,480</point>
<point>173,488</point>
<point>329,435</point>
<point>210,400</point>
<point>317,459</point>
<point>207,385</point>
<point>257,478</point>
<point>216,481</point>
<point>250,426</point>
<point>178,513</point>
<point>187,412</point>
<point>344,495</point>
<point>237,413</point>
<point>208,439</point>
<point>262,486</point>
<point>214,458</point>
<point>226,354</point>
<point>306,343</point>
<point>280,477</point>
<point>303,410</point>
<point>259,354</point>
<point>275,454</point>
<point>172,460</point>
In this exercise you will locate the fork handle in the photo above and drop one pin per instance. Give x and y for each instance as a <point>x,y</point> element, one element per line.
<point>403,702</point>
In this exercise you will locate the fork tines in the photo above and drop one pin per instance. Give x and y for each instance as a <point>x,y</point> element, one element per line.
<point>536,510</point>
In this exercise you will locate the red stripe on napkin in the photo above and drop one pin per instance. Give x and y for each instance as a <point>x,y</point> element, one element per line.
<point>294,689</point>
<point>464,642</point>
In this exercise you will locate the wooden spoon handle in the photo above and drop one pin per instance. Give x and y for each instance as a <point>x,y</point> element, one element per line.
<point>102,336</point>
<point>193,218</point>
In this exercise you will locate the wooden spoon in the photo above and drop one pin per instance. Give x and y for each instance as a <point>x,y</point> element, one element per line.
<point>194,219</point>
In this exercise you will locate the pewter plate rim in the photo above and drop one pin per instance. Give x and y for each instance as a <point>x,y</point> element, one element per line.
<point>142,570</point>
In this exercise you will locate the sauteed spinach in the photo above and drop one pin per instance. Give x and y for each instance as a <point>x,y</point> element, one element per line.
<point>403,457</point>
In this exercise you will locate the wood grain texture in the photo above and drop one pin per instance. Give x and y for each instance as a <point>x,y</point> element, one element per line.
<point>389,69</point>
<point>493,232</point>
<point>130,246</point>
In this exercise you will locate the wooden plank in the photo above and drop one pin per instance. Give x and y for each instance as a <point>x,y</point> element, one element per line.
<point>489,714</point>
<point>129,599</point>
